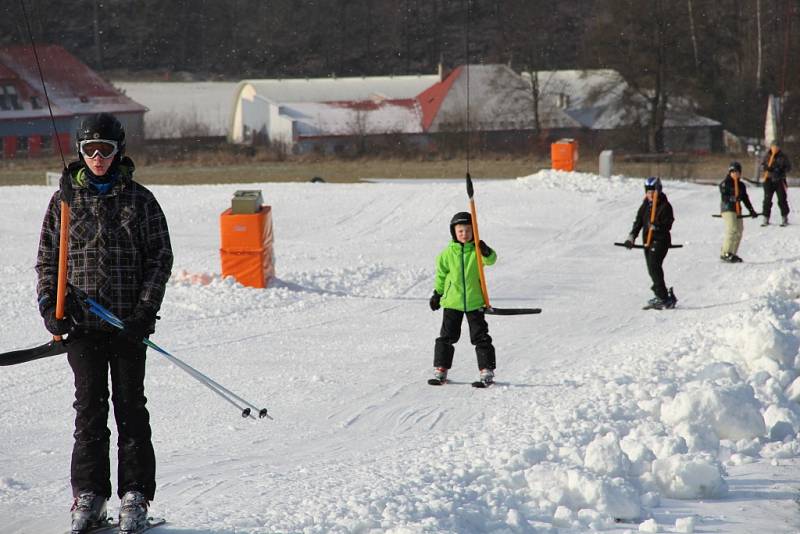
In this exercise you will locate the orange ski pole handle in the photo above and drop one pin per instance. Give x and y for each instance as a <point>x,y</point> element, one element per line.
<point>479,258</point>
<point>476,238</point>
<point>63,252</point>
<point>769,164</point>
<point>652,219</point>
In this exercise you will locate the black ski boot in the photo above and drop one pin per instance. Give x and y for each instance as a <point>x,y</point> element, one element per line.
<point>671,299</point>
<point>88,511</point>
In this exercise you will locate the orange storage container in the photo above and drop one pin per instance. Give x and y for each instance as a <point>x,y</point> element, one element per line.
<point>246,246</point>
<point>564,154</point>
<point>250,268</point>
<point>246,231</point>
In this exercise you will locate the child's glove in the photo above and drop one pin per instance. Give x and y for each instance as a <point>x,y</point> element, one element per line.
<point>628,244</point>
<point>434,302</point>
<point>486,250</point>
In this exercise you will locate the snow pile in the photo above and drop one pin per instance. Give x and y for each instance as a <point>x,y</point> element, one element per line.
<point>580,182</point>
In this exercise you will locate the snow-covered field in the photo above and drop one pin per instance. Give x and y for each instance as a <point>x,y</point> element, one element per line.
<point>605,417</point>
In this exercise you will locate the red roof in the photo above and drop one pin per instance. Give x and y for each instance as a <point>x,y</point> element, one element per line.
<point>430,100</point>
<point>6,73</point>
<point>72,86</point>
<point>371,105</point>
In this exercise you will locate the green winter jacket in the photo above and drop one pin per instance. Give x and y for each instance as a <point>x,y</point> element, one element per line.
<point>457,277</point>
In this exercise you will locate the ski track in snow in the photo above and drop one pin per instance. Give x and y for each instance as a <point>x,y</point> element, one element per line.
<point>605,417</point>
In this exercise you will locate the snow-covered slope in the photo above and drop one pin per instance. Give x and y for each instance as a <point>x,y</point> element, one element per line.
<point>604,417</point>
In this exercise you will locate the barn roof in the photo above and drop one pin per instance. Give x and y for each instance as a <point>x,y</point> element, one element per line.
<point>339,89</point>
<point>498,99</point>
<point>354,118</point>
<point>599,99</point>
<point>176,108</point>
<point>501,99</point>
<point>73,88</point>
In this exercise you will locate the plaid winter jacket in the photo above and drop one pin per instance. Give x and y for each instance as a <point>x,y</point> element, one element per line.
<point>119,246</point>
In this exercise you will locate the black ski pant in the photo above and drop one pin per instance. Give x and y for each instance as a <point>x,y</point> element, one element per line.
<point>655,259</point>
<point>775,187</point>
<point>91,356</point>
<point>451,332</point>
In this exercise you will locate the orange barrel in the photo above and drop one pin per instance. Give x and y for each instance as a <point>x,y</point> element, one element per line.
<point>564,154</point>
<point>246,246</point>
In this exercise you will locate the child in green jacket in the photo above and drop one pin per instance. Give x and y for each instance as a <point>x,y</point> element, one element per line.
<point>458,291</point>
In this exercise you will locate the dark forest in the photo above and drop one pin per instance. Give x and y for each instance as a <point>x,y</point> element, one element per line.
<point>725,56</point>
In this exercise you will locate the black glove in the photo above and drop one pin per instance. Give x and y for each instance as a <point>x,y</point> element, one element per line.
<point>434,302</point>
<point>486,250</point>
<point>753,214</point>
<point>65,186</point>
<point>138,326</point>
<point>73,314</point>
<point>57,327</point>
<point>628,244</point>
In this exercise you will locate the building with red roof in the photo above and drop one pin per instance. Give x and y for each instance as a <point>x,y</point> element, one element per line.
<point>74,91</point>
<point>502,109</point>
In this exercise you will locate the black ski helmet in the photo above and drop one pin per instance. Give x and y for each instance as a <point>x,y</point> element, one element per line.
<point>101,126</point>
<point>735,166</point>
<point>462,217</point>
<point>652,184</point>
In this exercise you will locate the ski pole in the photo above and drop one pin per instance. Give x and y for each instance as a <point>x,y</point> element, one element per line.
<point>217,388</point>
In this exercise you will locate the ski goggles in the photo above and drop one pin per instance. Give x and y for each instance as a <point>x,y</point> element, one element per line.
<point>92,147</point>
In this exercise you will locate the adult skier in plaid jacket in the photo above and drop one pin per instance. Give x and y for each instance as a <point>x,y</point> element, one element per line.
<point>119,255</point>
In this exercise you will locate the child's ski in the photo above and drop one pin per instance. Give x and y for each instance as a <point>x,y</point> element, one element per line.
<point>152,522</point>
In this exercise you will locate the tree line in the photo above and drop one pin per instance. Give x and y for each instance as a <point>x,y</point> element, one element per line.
<point>723,57</point>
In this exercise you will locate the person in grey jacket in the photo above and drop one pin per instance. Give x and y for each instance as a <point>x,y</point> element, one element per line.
<point>120,255</point>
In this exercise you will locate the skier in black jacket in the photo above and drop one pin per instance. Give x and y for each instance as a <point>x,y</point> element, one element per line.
<point>776,165</point>
<point>733,193</point>
<point>656,237</point>
<point>119,255</point>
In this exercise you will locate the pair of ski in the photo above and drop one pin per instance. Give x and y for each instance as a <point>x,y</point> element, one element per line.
<point>479,384</point>
<point>110,526</point>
